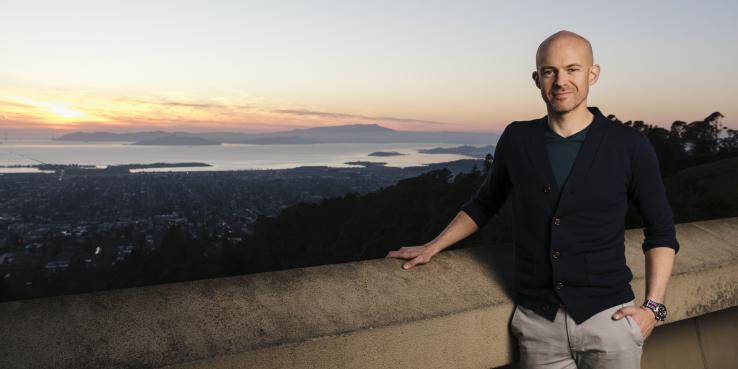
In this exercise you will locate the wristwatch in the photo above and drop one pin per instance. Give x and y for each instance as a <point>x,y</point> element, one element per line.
<point>658,309</point>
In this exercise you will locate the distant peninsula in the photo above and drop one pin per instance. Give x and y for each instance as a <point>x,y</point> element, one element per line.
<point>467,150</point>
<point>162,165</point>
<point>174,140</point>
<point>385,153</point>
<point>349,133</point>
<point>93,169</point>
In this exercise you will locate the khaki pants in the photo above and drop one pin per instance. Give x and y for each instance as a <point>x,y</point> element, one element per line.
<point>599,342</point>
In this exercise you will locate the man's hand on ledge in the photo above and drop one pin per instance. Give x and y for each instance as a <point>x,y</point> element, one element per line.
<point>643,316</point>
<point>416,254</point>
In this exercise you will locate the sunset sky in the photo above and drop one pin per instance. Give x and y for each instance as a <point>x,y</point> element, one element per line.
<point>257,66</point>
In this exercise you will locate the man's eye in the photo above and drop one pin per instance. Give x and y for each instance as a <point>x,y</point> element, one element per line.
<point>573,70</point>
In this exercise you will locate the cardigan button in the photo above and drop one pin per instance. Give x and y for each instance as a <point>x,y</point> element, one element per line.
<point>557,221</point>
<point>547,189</point>
<point>556,254</point>
<point>559,284</point>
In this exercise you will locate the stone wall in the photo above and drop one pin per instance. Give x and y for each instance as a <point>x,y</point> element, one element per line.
<point>451,313</point>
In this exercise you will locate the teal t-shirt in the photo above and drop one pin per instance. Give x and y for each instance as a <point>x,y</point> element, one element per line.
<point>562,151</point>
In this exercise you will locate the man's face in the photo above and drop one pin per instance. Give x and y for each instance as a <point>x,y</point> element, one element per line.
<point>564,74</point>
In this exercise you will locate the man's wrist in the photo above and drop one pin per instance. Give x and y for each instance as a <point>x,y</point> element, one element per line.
<point>653,313</point>
<point>657,308</point>
<point>433,248</point>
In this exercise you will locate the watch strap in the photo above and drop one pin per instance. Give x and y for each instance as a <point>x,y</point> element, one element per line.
<point>656,307</point>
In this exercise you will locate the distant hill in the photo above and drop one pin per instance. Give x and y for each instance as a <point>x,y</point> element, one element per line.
<point>110,136</point>
<point>350,133</point>
<point>174,140</point>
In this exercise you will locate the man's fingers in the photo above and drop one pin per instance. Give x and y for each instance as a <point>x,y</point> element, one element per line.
<point>413,262</point>
<point>394,254</point>
<point>402,253</point>
<point>414,255</point>
<point>627,310</point>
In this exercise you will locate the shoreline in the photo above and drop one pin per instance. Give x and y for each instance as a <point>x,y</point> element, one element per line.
<point>210,169</point>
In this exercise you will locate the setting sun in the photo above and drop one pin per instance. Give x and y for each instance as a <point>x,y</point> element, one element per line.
<point>63,111</point>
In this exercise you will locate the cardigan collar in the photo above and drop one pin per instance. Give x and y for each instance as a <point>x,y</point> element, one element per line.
<point>536,148</point>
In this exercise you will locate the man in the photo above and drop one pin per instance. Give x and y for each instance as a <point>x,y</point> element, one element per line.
<point>573,172</point>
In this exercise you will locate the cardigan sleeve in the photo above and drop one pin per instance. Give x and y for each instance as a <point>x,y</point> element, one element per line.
<point>491,195</point>
<point>647,191</point>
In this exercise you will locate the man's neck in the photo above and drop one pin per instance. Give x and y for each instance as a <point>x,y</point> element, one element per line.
<point>571,122</point>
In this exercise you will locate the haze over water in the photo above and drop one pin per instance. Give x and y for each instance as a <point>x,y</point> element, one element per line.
<point>224,157</point>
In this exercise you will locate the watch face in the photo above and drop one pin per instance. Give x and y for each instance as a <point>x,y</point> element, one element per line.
<point>661,312</point>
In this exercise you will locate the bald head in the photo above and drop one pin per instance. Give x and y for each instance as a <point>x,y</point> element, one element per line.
<point>565,38</point>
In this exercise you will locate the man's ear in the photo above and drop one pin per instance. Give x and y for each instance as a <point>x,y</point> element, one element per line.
<point>535,79</point>
<point>594,74</point>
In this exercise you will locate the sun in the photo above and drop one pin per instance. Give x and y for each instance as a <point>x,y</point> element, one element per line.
<point>55,111</point>
<point>63,111</point>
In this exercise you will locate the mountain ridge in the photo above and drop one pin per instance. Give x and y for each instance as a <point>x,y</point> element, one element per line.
<point>349,133</point>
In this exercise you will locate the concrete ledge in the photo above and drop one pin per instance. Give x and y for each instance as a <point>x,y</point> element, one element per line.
<point>450,313</point>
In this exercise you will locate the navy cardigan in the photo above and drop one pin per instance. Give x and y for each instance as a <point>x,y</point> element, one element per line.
<point>573,251</point>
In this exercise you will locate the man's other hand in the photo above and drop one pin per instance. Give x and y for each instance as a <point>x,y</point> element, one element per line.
<point>643,316</point>
<point>416,254</point>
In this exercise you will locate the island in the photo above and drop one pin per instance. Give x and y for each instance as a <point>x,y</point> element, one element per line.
<point>466,150</point>
<point>386,153</point>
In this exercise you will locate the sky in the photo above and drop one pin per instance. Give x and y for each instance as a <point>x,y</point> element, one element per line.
<point>265,66</point>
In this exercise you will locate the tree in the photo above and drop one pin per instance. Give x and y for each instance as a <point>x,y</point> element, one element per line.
<point>701,137</point>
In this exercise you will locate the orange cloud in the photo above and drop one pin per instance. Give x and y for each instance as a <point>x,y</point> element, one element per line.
<point>78,110</point>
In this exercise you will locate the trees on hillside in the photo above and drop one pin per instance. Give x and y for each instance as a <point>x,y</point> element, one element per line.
<point>688,144</point>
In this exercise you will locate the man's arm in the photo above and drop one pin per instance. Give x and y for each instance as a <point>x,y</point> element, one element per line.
<point>483,204</point>
<point>659,263</point>
<point>459,228</point>
<point>660,245</point>
<point>647,191</point>
<point>474,213</point>
<point>490,196</point>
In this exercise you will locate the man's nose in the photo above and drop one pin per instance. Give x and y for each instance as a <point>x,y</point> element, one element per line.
<point>560,79</point>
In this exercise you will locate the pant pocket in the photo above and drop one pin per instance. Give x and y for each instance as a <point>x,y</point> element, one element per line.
<point>635,330</point>
<point>513,321</point>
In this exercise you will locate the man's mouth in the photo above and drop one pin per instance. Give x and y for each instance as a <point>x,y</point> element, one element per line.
<point>562,94</point>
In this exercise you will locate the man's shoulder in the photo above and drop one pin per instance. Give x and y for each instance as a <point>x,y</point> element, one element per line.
<point>625,133</point>
<point>521,123</point>
<point>521,126</point>
<point>623,140</point>
<point>622,128</point>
